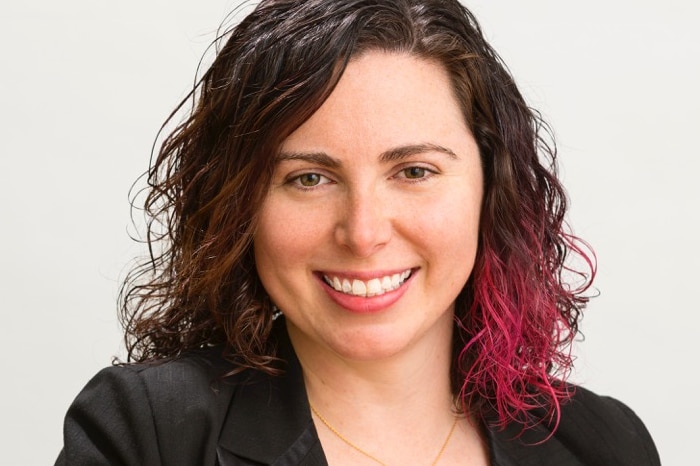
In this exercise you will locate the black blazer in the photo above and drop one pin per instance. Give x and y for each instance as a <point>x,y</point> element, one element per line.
<point>173,414</point>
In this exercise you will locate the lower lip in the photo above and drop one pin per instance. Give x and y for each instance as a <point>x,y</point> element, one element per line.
<point>364,305</point>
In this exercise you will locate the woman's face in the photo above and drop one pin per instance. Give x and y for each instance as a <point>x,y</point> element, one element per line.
<point>369,230</point>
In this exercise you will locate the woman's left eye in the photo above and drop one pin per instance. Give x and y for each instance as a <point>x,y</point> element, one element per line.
<point>415,173</point>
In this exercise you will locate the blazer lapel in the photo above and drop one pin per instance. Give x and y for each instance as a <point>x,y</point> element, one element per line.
<point>533,447</point>
<point>269,420</point>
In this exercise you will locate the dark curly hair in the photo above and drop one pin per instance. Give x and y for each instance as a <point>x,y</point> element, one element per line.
<point>518,313</point>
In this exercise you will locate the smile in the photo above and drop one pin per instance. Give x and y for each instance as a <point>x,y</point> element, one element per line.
<point>374,287</point>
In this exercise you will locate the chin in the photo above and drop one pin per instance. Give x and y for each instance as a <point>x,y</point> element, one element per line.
<point>371,346</point>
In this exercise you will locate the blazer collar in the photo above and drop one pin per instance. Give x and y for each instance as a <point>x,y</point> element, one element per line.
<point>535,446</point>
<point>269,420</point>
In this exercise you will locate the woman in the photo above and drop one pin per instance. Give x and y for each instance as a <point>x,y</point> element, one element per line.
<point>358,257</point>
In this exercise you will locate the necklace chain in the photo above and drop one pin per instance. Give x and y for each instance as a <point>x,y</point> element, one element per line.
<point>369,455</point>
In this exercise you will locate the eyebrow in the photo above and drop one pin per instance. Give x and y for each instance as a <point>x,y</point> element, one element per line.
<point>402,152</point>
<point>317,158</point>
<point>392,155</point>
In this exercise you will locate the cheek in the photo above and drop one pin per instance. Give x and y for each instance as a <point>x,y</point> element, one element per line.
<point>449,234</point>
<point>286,237</point>
<point>451,221</point>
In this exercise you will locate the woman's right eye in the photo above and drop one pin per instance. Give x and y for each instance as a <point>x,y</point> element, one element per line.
<point>309,180</point>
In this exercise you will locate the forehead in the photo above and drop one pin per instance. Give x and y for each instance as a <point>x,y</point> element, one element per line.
<point>385,99</point>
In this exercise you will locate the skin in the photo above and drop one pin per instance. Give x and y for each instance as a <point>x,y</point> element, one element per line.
<point>385,177</point>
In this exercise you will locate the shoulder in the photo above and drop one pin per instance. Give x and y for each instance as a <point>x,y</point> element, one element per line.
<point>158,413</point>
<point>607,427</point>
<point>592,429</point>
<point>189,383</point>
<point>587,410</point>
<point>196,377</point>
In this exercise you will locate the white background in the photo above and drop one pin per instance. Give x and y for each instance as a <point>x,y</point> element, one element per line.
<point>86,85</point>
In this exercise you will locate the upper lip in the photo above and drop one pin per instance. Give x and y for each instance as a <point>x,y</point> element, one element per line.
<point>363,275</point>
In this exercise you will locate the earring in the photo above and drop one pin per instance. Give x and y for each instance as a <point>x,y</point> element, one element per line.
<point>275,312</point>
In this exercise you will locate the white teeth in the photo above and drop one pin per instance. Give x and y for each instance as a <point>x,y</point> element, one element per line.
<point>395,280</point>
<point>359,288</point>
<point>373,287</point>
<point>386,284</point>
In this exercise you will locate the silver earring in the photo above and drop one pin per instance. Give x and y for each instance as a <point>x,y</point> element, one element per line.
<point>275,312</point>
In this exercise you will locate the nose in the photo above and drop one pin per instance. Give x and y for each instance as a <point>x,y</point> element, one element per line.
<point>365,224</point>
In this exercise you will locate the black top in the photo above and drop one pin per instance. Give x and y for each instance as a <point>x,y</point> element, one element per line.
<point>182,413</point>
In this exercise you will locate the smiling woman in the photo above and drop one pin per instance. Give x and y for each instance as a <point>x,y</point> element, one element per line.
<point>402,185</point>
<point>363,261</point>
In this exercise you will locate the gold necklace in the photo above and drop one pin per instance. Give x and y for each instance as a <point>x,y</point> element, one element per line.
<point>372,457</point>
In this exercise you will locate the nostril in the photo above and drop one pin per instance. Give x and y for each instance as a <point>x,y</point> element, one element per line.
<point>364,228</point>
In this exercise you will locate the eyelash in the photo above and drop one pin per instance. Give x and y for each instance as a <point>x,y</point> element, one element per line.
<point>427,173</point>
<point>295,179</point>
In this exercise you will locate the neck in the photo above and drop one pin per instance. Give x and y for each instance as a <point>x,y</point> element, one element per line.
<point>411,387</point>
<point>398,409</point>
